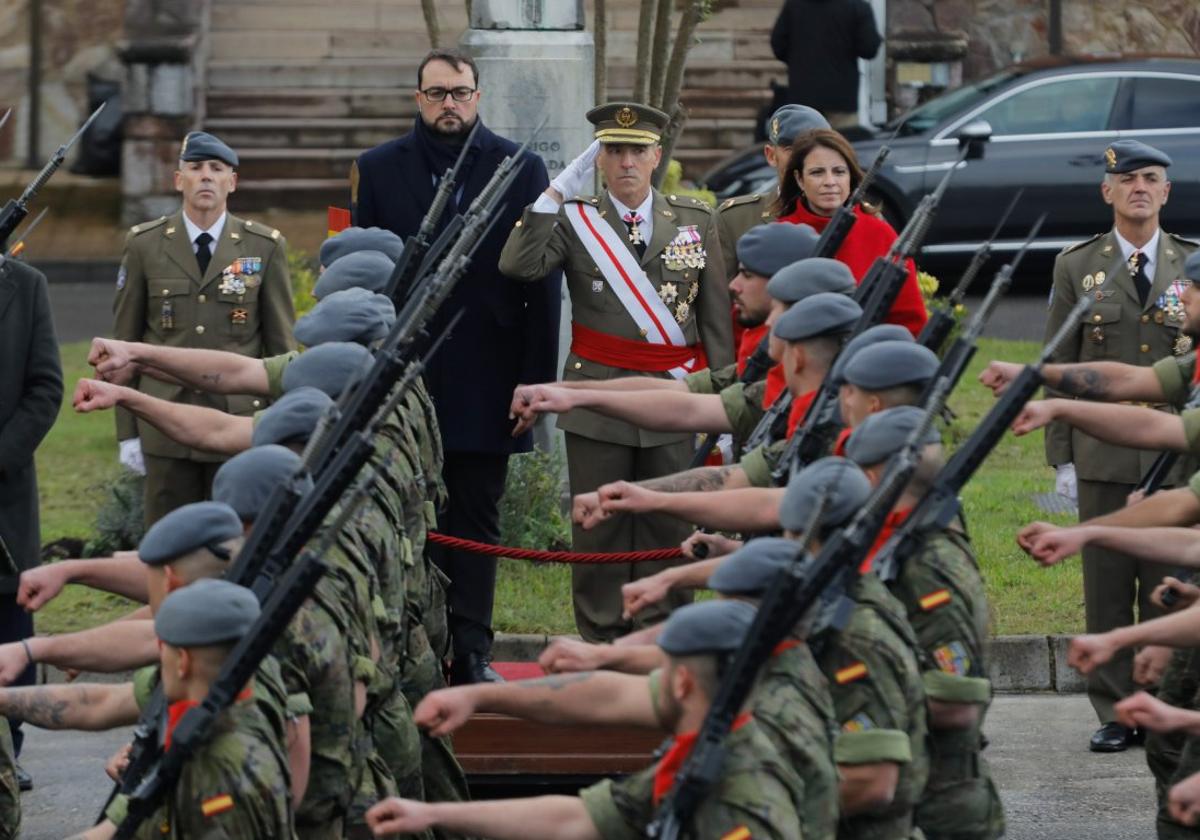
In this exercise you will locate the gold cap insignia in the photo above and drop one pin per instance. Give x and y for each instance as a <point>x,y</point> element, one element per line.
<point>626,118</point>
<point>1110,157</point>
<point>775,129</point>
<point>183,148</point>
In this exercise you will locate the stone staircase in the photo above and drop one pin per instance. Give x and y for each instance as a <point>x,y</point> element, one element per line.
<point>301,87</point>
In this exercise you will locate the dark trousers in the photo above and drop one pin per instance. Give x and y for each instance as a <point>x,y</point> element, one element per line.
<point>474,485</point>
<point>16,624</point>
<point>175,482</point>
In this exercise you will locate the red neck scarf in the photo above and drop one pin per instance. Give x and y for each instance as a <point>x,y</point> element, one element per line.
<point>748,343</point>
<point>776,385</point>
<point>785,646</point>
<point>839,445</point>
<point>178,709</point>
<point>799,408</point>
<point>664,774</point>
<point>894,520</point>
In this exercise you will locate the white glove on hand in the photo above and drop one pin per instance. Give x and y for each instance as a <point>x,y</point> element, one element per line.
<point>578,173</point>
<point>1064,481</point>
<point>130,455</point>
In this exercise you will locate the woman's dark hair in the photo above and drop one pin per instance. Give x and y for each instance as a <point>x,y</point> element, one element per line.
<point>789,189</point>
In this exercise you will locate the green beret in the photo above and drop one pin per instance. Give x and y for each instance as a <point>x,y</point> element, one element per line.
<point>883,434</point>
<point>790,121</point>
<point>706,627</point>
<point>821,314</point>
<point>207,612</point>
<point>890,364</point>
<point>628,122</point>
<point>187,528</point>
<point>292,418</point>
<point>795,282</point>
<point>369,270</point>
<point>200,145</point>
<point>349,315</point>
<point>843,484</point>
<point>330,367</point>
<point>1191,268</point>
<point>754,567</point>
<point>866,338</point>
<point>1128,155</point>
<point>354,239</point>
<point>764,249</point>
<point>246,480</point>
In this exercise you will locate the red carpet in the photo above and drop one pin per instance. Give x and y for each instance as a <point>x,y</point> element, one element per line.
<point>519,670</point>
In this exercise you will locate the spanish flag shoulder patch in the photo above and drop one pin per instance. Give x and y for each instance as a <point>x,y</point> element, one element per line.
<point>850,673</point>
<point>739,833</point>
<point>216,805</point>
<point>935,599</point>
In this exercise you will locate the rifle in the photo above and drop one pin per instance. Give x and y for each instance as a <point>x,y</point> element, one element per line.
<point>756,368</point>
<point>940,324</point>
<point>838,229</point>
<point>939,506</point>
<point>19,246</point>
<point>785,602</point>
<point>15,211</point>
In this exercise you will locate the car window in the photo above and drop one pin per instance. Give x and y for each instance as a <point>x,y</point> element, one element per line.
<point>926,116</point>
<point>1055,107</point>
<point>1165,103</point>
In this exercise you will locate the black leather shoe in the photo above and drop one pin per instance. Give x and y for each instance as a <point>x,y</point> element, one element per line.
<point>473,668</point>
<point>24,780</point>
<point>1112,737</point>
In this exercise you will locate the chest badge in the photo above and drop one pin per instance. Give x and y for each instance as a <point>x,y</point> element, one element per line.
<point>686,250</point>
<point>238,317</point>
<point>668,292</point>
<point>597,286</point>
<point>1089,283</point>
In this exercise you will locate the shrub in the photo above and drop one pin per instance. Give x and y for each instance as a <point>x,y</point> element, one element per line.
<point>120,522</point>
<point>531,510</point>
<point>303,270</point>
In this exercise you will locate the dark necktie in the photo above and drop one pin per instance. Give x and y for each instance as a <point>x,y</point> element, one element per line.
<point>203,252</point>
<point>632,222</point>
<point>1137,269</point>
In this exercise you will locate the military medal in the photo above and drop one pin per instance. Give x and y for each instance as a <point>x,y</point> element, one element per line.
<point>1100,278</point>
<point>1183,344</point>
<point>232,284</point>
<point>668,292</point>
<point>166,318</point>
<point>239,316</point>
<point>681,311</point>
<point>1089,283</point>
<point>634,221</point>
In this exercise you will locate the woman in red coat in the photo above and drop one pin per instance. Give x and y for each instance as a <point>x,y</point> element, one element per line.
<point>821,175</point>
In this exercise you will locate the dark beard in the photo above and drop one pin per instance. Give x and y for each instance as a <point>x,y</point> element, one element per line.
<point>751,321</point>
<point>454,136</point>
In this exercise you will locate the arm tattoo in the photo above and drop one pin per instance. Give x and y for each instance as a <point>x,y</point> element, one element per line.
<point>42,706</point>
<point>210,378</point>
<point>701,478</point>
<point>1085,382</point>
<point>557,683</point>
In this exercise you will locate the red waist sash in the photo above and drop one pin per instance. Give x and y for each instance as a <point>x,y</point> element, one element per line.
<point>605,349</point>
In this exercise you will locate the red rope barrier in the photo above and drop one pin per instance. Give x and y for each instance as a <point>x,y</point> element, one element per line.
<point>554,556</point>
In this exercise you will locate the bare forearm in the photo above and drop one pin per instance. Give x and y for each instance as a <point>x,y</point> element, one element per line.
<point>1106,381</point>
<point>742,509</point>
<point>192,425</point>
<point>633,659</point>
<point>90,707</point>
<point>1178,506</point>
<point>1180,629</point>
<point>536,818</point>
<point>702,479</point>
<point>119,646</point>
<point>589,697</point>
<point>1163,545</point>
<point>214,371</point>
<point>1124,425</point>
<point>125,575</point>
<point>664,411</point>
<point>627,383</point>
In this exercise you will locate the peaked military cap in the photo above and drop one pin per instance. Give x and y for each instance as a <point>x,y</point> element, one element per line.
<point>843,484</point>
<point>349,315</point>
<point>207,612</point>
<point>890,364</point>
<point>811,276</point>
<point>706,627</point>
<point>355,239</point>
<point>866,338</point>
<point>1191,267</point>
<point>628,122</point>
<point>882,435</point>
<point>200,145</point>
<point>764,249</point>
<point>820,314</point>
<point>790,121</point>
<point>292,418</point>
<point>1128,155</point>
<point>369,270</point>
<point>753,568</point>
<point>187,528</point>
<point>330,367</point>
<point>246,480</point>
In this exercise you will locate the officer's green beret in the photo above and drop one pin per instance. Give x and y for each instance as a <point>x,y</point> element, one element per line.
<point>292,418</point>
<point>766,248</point>
<point>754,567</point>
<point>628,122</point>
<point>844,486</point>
<point>866,338</point>
<point>821,314</point>
<point>706,627</point>
<point>882,435</point>
<point>207,612</point>
<point>187,528</point>
<point>246,480</point>
<point>200,145</point>
<point>790,121</point>
<point>369,270</point>
<point>349,315</point>
<point>330,367</point>
<point>1128,155</point>
<point>354,239</point>
<point>890,364</point>
<point>1191,267</point>
<point>798,280</point>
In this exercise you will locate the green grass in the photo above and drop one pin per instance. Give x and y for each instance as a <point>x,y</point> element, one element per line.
<point>79,457</point>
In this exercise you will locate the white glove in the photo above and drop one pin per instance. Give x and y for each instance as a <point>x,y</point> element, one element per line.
<point>578,173</point>
<point>1064,481</point>
<point>130,455</point>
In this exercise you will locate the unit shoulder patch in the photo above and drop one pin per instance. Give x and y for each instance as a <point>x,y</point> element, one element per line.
<point>216,805</point>
<point>850,673</point>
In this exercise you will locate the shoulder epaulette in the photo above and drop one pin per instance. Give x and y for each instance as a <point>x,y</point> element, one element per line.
<point>689,201</point>
<point>1183,240</point>
<point>145,226</point>
<point>583,199</point>
<point>734,201</point>
<point>261,229</point>
<point>1079,245</point>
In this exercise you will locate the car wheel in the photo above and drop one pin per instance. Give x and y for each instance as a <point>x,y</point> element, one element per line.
<point>890,214</point>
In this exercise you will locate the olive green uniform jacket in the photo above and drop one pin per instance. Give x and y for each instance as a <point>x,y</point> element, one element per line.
<point>737,215</point>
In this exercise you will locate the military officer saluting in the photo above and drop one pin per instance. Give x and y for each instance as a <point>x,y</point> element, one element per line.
<point>1134,273</point>
<point>199,278</point>
<point>648,296</point>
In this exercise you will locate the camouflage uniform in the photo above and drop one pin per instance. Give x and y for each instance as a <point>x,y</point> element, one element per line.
<point>709,381</point>
<point>879,699</point>
<point>793,708</point>
<point>10,792</point>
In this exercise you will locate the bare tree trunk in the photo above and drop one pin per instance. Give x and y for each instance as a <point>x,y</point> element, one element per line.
<point>600,25</point>
<point>431,23</point>
<point>693,13</point>
<point>658,53</point>
<point>641,78</point>
<point>674,129</point>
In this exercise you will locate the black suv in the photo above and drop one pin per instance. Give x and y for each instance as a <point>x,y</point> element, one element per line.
<point>1051,121</point>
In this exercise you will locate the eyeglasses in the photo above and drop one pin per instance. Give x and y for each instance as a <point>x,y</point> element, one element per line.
<point>437,94</point>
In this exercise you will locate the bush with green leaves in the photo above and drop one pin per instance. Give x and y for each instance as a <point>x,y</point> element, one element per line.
<point>120,522</point>
<point>303,270</point>
<point>531,510</point>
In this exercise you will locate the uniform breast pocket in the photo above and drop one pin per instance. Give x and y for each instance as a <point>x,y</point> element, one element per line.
<point>169,305</point>
<point>239,309</point>
<point>1101,332</point>
<point>590,292</point>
